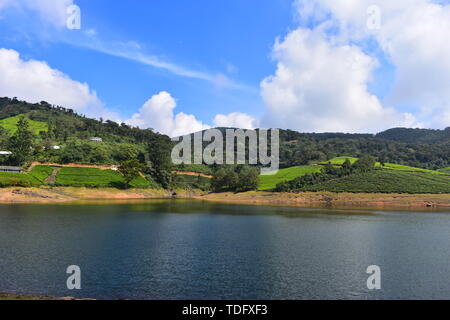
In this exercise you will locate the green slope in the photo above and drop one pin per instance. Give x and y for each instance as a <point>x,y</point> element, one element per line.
<point>94,178</point>
<point>340,160</point>
<point>386,181</point>
<point>41,173</point>
<point>10,124</point>
<point>8,179</point>
<point>445,170</point>
<point>270,182</point>
<point>391,166</point>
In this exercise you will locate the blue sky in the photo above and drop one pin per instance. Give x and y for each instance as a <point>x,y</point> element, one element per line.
<point>232,38</point>
<point>179,66</point>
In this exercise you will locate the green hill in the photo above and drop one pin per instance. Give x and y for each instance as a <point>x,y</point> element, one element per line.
<point>405,151</point>
<point>267,182</point>
<point>391,166</point>
<point>289,174</point>
<point>386,181</point>
<point>36,127</point>
<point>399,167</point>
<point>409,135</point>
<point>445,170</point>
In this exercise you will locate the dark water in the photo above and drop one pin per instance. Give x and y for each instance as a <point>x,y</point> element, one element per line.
<point>193,250</point>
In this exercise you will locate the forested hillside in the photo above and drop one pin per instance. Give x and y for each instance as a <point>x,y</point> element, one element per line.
<point>71,132</point>
<point>426,152</point>
<point>59,135</point>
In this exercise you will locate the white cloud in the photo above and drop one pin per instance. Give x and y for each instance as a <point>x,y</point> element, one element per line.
<point>35,81</point>
<point>51,11</point>
<point>158,114</point>
<point>413,35</point>
<point>322,86</point>
<point>235,120</point>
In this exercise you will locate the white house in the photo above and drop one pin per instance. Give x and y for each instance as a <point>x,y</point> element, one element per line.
<point>96,139</point>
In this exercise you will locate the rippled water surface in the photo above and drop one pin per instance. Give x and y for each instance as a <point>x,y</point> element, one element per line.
<point>195,250</point>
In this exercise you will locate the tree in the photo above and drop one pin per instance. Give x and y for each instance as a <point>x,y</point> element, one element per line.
<point>160,162</point>
<point>130,169</point>
<point>21,143</point>
<point>347,167</point>
<point>225,179</point>
<point>364,164</point>
<point>248,179</point>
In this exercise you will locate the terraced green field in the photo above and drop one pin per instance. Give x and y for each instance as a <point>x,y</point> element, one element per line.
<point>34,178</point>
<point>270,182</point>
<point>10,124</point>
<point>445,170</point>
<point>41,173</point>
<point>399,167</point>
<point>94,178</point>
<point>8,179</point>
<point>389,178</point>
<point>387,181</point>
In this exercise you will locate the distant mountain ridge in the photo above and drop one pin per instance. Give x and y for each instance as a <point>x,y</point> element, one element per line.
<point>416,135</point>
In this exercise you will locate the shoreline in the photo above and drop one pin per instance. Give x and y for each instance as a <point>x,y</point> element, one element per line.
<point>55,195</point>
<point>336,200</point>
<point>27,297</point>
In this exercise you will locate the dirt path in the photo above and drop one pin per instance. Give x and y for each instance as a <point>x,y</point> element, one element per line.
<point>51,180</point>
<point>72,165</point>
<point>190,173</point>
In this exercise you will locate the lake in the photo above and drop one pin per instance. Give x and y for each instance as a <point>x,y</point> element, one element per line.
<point>166,249</point>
